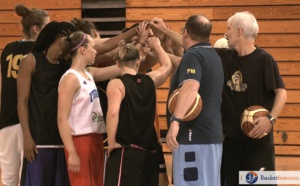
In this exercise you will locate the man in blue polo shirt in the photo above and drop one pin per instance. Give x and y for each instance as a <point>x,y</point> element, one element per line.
<point>196,145</point>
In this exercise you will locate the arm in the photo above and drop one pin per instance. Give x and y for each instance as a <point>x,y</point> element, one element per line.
<point>151,60</point>
<point>264,125</point>
<point>143,33</point>
<point>188,90</point>
<point>280,99</point>
<point>160,25</point>
<point>115,94</point>
<point>106,59</point>
<point>26,69</point>
<point>148,62</point>
<point>112,43</point>
<point>67,88</point>
<point>160,75</point>
<point>175,60</point>
<point>105,73</point>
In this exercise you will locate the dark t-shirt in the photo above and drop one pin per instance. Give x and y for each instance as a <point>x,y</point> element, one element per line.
<point>249,80</point>
<point>10,61</point>
<point>201,63</point>
<point>43,98</point>
<point>137,113</point>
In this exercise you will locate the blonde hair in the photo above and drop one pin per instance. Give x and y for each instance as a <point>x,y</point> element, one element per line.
<point>31,17</point>
<point>127,53</point>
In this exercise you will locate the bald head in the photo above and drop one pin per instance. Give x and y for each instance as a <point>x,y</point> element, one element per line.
<point>199,28</point>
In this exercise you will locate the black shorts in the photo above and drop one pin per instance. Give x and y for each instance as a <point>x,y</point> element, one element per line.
<point>161,160</point>
<point>245,156</point>
<point>132,167</point>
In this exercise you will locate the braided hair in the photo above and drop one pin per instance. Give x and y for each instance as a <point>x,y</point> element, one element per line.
<point>50,33</point>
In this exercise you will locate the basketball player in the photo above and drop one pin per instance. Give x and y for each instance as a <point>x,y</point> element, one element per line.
<point>196,145</point>
<point>11,138</point>
<point>37,85</point>
<point>132,138</point>
<point>80,117</point>
<point>251,78</point>
<point>86,27</point>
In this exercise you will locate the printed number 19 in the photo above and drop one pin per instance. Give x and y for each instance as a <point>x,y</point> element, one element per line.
<point>13,65</point>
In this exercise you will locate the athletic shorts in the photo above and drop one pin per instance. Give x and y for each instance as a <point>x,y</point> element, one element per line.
<point>89,148</point>
<point>131,167</point>
<point>198,164</point>
<point>161,160</point>
<point>48,169</point>
<point>243,156</point>
<point>11,154</point>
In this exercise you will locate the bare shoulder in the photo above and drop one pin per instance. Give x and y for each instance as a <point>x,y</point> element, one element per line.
<point>69,80</point>
<point>28,59</point>
<point>27,64</point>
<point>115,83</point>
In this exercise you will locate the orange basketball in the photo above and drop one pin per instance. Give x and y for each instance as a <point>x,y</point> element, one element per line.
<point>249,115</point>
<point>192,112</point>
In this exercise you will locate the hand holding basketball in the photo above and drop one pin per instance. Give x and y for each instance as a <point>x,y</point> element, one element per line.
<point>192,112</point>
<point>249,115</point>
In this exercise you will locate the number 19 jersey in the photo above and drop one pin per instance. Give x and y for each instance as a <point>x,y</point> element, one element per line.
<point>10,61</point>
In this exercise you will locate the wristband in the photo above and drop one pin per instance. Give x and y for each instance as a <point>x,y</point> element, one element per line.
<point>173,118</point>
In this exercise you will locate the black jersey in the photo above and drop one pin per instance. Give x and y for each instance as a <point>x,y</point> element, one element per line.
<point>43,100</point>
<point>137,112</point>
<point>10,60</point>
<point>249,80</point>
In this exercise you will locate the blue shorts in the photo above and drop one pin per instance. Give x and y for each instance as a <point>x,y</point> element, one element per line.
<point>48,169</point>
<point>197,164</point>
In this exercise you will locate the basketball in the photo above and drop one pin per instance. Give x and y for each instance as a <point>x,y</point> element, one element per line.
<point>192,112</point>
<point>250,114</point>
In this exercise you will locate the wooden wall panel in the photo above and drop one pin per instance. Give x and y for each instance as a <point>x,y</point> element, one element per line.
<point>219,27</point>
<point>287,124</point>
<point>289,138</point>
<point>213,13</point>
<point>10,16</point>
<point>193,3</point>
<point>10,27</point>
<point>46,4</point>
<point>289,68</point>
<point>14,28</point>
<point>287,150</point>
<point>5,40</point>
<point>270,40</point>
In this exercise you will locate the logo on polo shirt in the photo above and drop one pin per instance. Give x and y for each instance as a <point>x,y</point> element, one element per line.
<point>191,71</point>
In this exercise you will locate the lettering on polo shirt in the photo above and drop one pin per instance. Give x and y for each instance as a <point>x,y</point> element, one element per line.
<point>191,71</point>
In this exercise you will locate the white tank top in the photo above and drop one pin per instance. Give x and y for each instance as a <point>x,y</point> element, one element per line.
<point>86,115</point>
